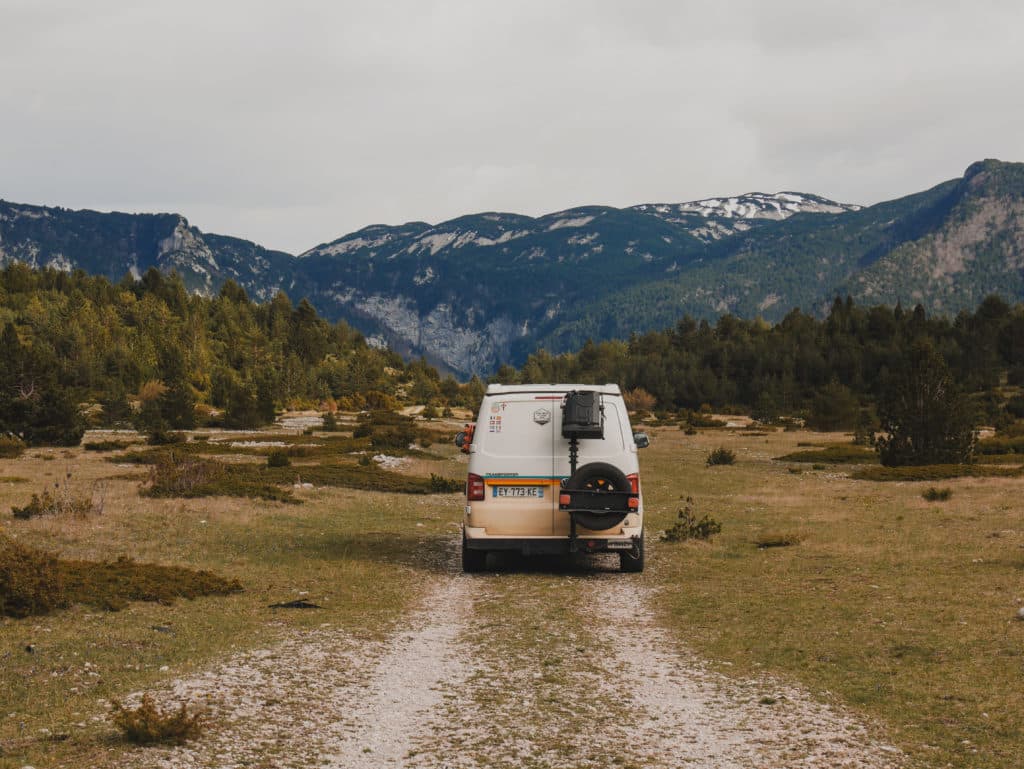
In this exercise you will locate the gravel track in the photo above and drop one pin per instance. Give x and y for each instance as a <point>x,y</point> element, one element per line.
<point>524,669</point>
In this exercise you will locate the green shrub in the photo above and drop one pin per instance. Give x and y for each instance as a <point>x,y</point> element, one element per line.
<point>721,456</point>
<point>935,472</point>
<point>111,585</point>
<point>688,526</point>
<point>11,447</point>
<point>30,581</point>
<point>1001,444</point>
<point>442,485</point>
<point>699,420</point>
<point>49,504</point>
<point>106,445</point>
<point>330,424</point>
<point>148,724</point>
<point>175,474</point>
<point>63,501</point>
<point>841,454</point>
<point>35,582</point>
<point>161,437</point>
<point>278,458</point>
<point>776,540</point>
<point>932,494</point>
<point>1015,406</point>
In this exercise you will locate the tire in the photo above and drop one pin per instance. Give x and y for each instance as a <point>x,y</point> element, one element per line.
<point>599,476</point>
<point>473,561</point>
<point>629,563</point>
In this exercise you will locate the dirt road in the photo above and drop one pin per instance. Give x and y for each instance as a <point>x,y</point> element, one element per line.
<point>524,667</point>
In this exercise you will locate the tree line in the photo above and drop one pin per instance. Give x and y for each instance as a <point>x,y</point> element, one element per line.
<point>829,370</point>
<point>77,349</point>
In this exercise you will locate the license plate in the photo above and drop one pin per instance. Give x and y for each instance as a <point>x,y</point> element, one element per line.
<point>537,492</point>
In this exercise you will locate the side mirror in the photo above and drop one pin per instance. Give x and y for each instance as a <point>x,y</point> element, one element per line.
<point>641,440</point>
<point>460,438</point>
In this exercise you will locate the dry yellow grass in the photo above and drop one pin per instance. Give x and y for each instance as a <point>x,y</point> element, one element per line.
<point>900,608</point>
<point>903,609</point>
<point>356,554</point>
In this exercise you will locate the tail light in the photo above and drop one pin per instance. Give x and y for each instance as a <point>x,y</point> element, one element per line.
<point>474,488</point>
<point>634,482</point>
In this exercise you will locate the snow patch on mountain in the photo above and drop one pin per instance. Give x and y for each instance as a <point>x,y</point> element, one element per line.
<point>579,221</point>
<point>505,237</point>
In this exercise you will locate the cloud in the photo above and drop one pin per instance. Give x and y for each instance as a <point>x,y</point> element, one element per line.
<point>292,124</point>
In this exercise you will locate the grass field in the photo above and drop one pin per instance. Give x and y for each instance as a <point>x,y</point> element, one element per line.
<point>357,554</point>
<point>900,608</point>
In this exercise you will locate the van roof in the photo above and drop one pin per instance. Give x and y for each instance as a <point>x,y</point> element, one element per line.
<point>500,389</point>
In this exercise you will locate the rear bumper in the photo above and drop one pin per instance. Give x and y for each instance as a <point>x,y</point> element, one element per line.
<point>477,539</point>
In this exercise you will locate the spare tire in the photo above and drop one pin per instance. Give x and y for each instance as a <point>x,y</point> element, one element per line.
<point>599,476</point>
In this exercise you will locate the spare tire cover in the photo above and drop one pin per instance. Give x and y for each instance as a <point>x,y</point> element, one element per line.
<point>599,476</point>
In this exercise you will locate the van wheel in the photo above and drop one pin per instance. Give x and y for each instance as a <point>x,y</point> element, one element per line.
<point>472,560</point>
<point>633,561</point>
<point>599,476</point>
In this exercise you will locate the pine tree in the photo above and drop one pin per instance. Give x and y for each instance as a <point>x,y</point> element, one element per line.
<point>923,413</point>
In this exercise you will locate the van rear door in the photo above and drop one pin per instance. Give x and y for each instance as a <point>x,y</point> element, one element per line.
<point>515,437</point>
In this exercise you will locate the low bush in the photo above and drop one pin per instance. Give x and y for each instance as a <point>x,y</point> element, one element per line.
<point>776,540</point>
<point>278,458</point>
<point>11,447</point>
<point>34,582</point>
<point>935,472</point>
<point>721,456</point>
<point>688,526</point>
<point>111,585</point>
<point>442,485</point>
<point>180,475</point>
<point>1001,444</point>
<point>63,500</point>
<point>30,580</point>
<point>161,437</point>
<point>932,494</point>
<point>148,724</point>
<point>106,445</point>
<point>842,454</point>
<point>698,420</point>
<point>50,504</point>
<point>330,423</point>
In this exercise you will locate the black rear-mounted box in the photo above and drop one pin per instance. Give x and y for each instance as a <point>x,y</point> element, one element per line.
<point>582,415</point>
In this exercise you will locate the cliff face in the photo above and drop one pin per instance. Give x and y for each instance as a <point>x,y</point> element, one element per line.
<point>484,289</point>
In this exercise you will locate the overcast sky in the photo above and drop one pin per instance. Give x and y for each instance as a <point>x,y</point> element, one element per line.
<point>294,123</point>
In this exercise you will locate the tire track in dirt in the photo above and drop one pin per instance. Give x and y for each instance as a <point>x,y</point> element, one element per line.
<point>532,668</point>
<point>322,698</point>
<point>688,715</point>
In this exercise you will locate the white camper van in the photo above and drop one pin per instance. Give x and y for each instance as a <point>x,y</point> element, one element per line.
<point>553,469</point>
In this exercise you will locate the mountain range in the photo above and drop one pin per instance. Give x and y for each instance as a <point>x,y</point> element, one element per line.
<point>489,288</point>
